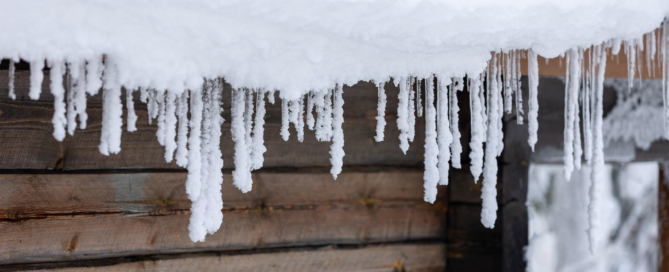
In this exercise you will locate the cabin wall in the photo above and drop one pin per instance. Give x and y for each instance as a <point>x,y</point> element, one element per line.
<point>64,206</point>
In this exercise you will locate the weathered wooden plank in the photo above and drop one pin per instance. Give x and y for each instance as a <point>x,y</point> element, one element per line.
<point>23,195</point>
<point>471,246</point>
<point>100,236</point>
<point>56,217</point>
<point>390,258</point>
<point>26,136</point>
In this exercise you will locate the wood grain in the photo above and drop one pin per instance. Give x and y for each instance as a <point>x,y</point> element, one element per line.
<point>60,217</point>
<point>27,141</point>
<point>390,258</point>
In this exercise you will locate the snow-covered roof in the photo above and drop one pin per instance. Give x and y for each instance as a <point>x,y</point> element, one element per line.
<point>299,45</point>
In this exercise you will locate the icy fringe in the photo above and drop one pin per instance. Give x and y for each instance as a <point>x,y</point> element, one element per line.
<point>492,92</point>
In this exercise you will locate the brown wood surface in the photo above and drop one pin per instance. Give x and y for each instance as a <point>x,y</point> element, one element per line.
<point>388,258</point>
<point>27,141</point>
<point>60,217</point>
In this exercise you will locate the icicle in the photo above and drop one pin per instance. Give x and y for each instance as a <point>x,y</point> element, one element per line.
<point>419,101</point>
<point>456,146</point>
<point>258,132</point>
<point>489,190</point>
<point>508,91</point>
<point>578,150</point>
<point>319,104</point>
<point>160,133</point>
<point>248,121</point>
<point>477,123</point>
<point>182,135</point>
<point>327,116</point>
<point>214,180</point>
<point>587,121</point>
<point>293,109</point>
<point>337,147</point>
<point>79,86</point>
<point>12,70</point>
<point>112,112</point>
<point>431,174</point>
<point>71,93</point>
<point>444,136</point>
<point>193,181</point>
<point>270,97</point>
<point>152,105</point>
<point>300,119</point>
<point>170,129</point>
<point>241,176</point>
<point>482,98</point>
<point>533,113</point>
<point>412,110</point>
<point>36,78</point>
<point>94,76</point>
<point>571,104</point>
<point>403,115</point>
<point>631,62</point>
<point>380,112</point>
<point>285,119</point>
<point>597,173</point>
<point>310,108</point>
<point>500,109</point>
<point>518,90</point>
<point>144,96</point>
<point>130,105</point>
<point>206,215</point>
<point>59,120</point>
<point>664,55</point>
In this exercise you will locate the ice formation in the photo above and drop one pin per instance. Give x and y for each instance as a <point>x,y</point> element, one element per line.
<point>313,49</point>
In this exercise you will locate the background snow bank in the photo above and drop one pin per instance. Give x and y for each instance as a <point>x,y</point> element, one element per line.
<point>558,219</point>
<point>301,45</point>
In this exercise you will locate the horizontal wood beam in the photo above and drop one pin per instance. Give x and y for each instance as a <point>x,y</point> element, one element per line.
<point>60,217</point>
<point>390,258</point>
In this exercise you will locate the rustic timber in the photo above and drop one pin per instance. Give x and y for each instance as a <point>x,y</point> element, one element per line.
<point>62,217</point>
<point>28,142</point>
<point>390,258</point>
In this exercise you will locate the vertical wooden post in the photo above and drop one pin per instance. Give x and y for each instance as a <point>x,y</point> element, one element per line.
<point>663,220</point>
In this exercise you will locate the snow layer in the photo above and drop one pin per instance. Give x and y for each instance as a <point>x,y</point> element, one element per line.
<point>252,43</point>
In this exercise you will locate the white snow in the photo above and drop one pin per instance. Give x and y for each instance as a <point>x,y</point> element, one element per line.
<point>403,113</point>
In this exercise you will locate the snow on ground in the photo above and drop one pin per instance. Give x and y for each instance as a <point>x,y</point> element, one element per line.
<point>176,50</point>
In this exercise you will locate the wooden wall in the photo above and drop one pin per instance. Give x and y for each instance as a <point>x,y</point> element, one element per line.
<point>66,207</point>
